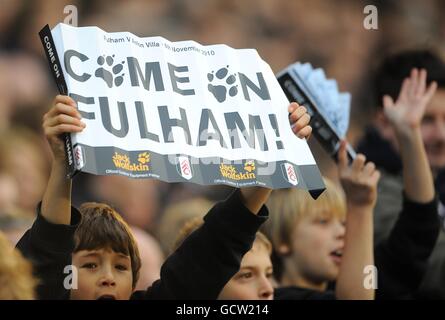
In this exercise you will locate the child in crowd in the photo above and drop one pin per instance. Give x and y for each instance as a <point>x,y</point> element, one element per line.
<point>308,238</point>
<point>96,245</point>
<point>254,280</point>
<point>314,242</point>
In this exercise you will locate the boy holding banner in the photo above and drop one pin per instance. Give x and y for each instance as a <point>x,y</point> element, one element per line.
<point>91,254</point>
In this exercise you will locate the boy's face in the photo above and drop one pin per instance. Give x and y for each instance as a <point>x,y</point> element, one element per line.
<point>433,130</point>
<point>102,274</point>
<point>316,248</point>
<point>254,279</point>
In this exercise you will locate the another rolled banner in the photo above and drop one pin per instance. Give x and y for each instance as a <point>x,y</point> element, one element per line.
<point>329,108</point>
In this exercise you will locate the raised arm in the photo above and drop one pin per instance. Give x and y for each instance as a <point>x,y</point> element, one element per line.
<point>403,258</point>
<point>359,182</point>
<point>63,117</point>
<point>406,115</point>
<point>48,244</point>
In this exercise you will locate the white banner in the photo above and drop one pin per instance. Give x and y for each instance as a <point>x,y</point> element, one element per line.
<point>179,111</point>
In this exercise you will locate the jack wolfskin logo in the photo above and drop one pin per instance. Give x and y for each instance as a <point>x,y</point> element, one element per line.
<point>122,161</point>
<point>231,172</point>
<point>144,157</point>
<point>249,166</point>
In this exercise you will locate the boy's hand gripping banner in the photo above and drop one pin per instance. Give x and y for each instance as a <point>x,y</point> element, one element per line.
<point>177,111</point>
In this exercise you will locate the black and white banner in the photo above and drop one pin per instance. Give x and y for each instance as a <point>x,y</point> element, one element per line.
<point>179,111</point>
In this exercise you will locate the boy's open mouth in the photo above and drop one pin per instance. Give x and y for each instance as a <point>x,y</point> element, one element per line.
<point>336,255</point>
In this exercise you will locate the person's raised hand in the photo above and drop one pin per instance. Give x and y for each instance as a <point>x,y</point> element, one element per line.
<point>299,120</point>
<point>359,179</point>
<point>407,111</point>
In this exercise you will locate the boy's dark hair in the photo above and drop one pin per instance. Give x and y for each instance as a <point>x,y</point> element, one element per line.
<point>102,227</point>
<point>395,68</point>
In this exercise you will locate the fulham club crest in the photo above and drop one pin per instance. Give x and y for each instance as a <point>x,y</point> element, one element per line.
<point>184,168</point>
<point>289,173</point>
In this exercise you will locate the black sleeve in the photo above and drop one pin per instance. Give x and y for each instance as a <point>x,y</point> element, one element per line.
<point>211,255</point>
<point>402,259</point>
<point>49,247</point>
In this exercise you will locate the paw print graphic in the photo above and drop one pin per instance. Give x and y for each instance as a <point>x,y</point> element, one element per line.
<point>144,157</point>
<point>219,91</point>
<point>249,166</point>
<point>108,75</point>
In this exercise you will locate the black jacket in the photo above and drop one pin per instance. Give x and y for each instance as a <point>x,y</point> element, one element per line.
<point>402,259</point>
<point>198,269</point>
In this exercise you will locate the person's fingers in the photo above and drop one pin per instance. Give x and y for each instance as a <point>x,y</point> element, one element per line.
<point>358,163</point>
<point>302,122</point>
<point>63,108</point>
<point>421,84</point>
<point>406,84</point>
<point>413,82</point>
<point>388,102</point>
<point>375,177</point>
<point>61,128</point>
<point>369,169</point>
<point>292,107</point>
<point>342,156</point>
<point>63,119</point>
<point>431,91</point>
<point>297,114</point>
<point>64,99</point>
<point>305,132</point>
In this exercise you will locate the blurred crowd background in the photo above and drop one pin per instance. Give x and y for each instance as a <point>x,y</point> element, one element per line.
<point>328,34</point>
